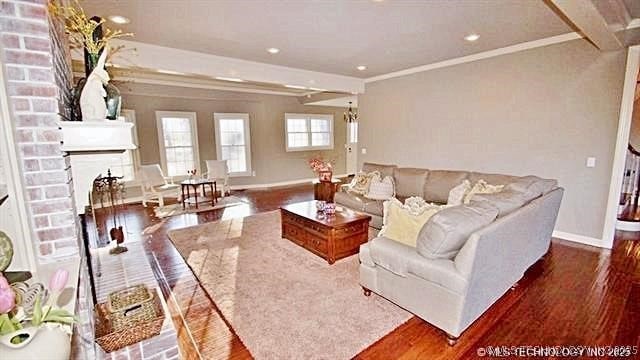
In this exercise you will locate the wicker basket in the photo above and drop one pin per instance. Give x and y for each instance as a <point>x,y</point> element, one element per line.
<point>131,305</point>
<point>128,324</point>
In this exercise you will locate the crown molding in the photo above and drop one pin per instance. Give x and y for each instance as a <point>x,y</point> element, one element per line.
<point>479,56</point>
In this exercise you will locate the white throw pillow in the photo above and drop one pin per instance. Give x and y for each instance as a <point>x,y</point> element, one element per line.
<point>381,189</point>
<point>360,183</point>
<point>457,193</point>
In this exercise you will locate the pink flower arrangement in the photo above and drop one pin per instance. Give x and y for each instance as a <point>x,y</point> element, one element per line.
<point>7,296</point>
<point>58,280</point>
<point>318,164</point>
<point>9,320</point>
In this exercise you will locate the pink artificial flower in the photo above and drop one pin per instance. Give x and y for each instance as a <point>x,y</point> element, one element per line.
<point>58,280</point>
<point>7,296</point>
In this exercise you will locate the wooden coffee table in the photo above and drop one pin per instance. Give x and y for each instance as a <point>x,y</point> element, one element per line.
<point>331,237</point>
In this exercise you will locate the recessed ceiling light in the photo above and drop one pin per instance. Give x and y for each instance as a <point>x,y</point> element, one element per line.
<point>361,67</point>
<point>223,78</point>
<point>472,37</point>
<point>296,87</point>
<point>119,19</point>
<point>273,50</point>
<point>170,72</point>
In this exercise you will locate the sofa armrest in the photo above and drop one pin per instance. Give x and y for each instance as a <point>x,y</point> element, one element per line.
<point>496,257</point>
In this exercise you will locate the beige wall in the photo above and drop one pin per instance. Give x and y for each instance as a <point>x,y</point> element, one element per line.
<point>270,161</point>
<point>540,111</point>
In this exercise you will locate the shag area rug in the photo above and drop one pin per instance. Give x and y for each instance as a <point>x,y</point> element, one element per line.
<point>283,301</point>
<point>203,205</point>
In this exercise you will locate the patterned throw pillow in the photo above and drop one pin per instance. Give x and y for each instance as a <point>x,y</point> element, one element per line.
<point>456,195</point>
<point>381,189</point>
<point>403,222</point>
<point>481,187</point>
<point>360,182</point>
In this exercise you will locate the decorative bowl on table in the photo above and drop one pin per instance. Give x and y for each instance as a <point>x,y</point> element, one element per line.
<point>330,208</point>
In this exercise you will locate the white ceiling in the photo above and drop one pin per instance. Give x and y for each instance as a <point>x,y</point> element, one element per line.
<point>334,36</point>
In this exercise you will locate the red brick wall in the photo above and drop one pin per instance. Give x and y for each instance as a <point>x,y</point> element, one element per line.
<point>36,60</point>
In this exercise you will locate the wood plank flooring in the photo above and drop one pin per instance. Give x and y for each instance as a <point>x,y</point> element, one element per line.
<point>576,295</point>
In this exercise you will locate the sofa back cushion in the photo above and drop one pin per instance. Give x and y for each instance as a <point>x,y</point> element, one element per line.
<point>440,182</point>
<point>506,201</point>
<point>385,170</point>
<point>531,186</point>
<point>448,230</point>
<point>493,179</point>
<point>410,181</point>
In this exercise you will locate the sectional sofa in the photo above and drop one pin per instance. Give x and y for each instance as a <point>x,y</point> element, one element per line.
<point>457,271</point>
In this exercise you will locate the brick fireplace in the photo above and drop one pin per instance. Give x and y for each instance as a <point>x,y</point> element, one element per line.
<point>55,164</point>
<point>37,70</point>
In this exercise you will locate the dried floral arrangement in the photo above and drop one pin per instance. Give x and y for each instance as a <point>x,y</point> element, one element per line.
<point>318,163</point>
<point>80,28</point>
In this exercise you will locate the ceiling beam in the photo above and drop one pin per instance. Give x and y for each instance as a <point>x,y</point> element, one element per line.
<point>585,17</point>
<point>175,61</point>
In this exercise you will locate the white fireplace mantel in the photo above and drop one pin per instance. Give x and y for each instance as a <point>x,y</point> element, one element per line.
<point>91,145</point>
<point>107,135</point>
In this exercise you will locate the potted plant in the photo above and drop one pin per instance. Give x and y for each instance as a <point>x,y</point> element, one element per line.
<point>44,333</point>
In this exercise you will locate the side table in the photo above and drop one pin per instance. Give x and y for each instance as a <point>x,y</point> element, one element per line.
<point>325,190</point>
<point>194,184</point>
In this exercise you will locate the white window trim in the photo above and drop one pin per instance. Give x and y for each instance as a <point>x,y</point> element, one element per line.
<point>194,138</point>
<point>308,118</point>
<point>247,139</point>
<point>130,116</point>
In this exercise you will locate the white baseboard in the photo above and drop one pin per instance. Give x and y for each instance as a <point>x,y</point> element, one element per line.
<point>276,184</point>
<point>628,225</point>
<point>587,240</point>
<point>137,199</point>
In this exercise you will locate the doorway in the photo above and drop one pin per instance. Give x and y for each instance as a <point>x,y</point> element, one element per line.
<point>622,146</point>
<point>351,148</point>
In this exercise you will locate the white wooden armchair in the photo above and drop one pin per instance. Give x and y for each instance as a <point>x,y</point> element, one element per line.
<point>155,186</point>
<point>218,170</point>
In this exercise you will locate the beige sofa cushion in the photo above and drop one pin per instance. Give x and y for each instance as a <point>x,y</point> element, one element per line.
<point>358,202</point>
<point>385,170</point>
<point>494,179</point>
<point>440,182</point>
<point>403,260</point>
<point>410,181</point>
<point>532,186</point>
<point>506,201</point>
<point>448,230</point>
<point>481,187</point>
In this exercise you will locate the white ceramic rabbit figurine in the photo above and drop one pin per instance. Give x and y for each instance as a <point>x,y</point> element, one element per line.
<point>92,103</point>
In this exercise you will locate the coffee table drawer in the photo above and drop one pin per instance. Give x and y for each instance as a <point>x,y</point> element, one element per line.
<point>305,238</point>
<point>352,230</point>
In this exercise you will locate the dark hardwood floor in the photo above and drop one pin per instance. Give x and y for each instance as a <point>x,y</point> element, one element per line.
<point>576,295</point>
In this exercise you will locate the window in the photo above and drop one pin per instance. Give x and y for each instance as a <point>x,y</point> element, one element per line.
<point>233,142</point>
<point>127,161</point>
<point>308,132</point>
<point>178,140</point>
